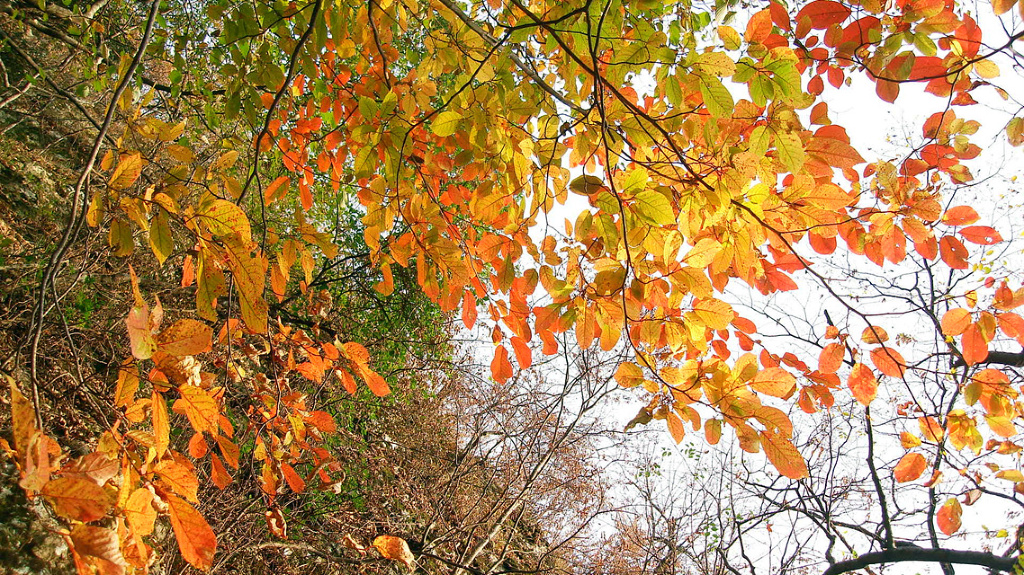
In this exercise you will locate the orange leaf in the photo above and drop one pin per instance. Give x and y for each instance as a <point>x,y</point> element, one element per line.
<point>953,252</point>
<point>127,383</point>
<point>197,446</point>
<point>179,478</point>
<point>377,384</point>
<point>185,337</point>
<point>888,361</point>
<point>948,517</point>
<point>355,352</point>
<point>955,321</point>
<point>295,482</point>
<point>675,427</point>
<point>322,421</point>
<point>522,350</point>
<point>394,548</point>
<point>910,467</point>
<point>973,344</point>
<point>196,540</point>
<point>783,455</point>
<point>759,26</point>
<point>77,498</point>
<point>774,381</point>
<point>983,235</point>
<point>713,431</point>
<point>218,473</point>
<point>270,193</point>
<point>831,358</point>
<point>468,309</point>
<point>931,429</point>
<point>862,383</point>
<point>960,216</point>
<point>501,367</point>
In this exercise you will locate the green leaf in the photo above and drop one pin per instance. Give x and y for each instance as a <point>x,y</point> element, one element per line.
<point>654,208</point>
<point>160,235</point>
<point>716,97</point>
<point>790,151</point>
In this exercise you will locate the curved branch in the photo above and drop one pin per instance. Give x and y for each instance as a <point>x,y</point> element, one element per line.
<point>920,554</point>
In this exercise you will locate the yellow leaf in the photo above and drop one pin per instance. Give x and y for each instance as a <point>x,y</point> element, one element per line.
<point>774,381</point>
<point>703,253</point>
<point>139,511</point>
<point>127,171</point>
<point>200,408</point>
<point>654,208</point>
<point>783,455</point>
<point>224,218</point>
<point>713,313</point>
<point>77,498</point>
<point>161,424</point>
<point>628,374</point>
<point>445,123</point>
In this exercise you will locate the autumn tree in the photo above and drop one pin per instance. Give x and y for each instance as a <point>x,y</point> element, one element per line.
<point>610,172</point>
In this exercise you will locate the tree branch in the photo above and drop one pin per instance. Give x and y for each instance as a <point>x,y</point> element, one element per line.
<point>920,554</point>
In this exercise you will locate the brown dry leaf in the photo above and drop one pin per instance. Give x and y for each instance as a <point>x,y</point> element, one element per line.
<point>100,544</point>
<point>276,523</point>
<point>351,543</point>
<point>395,548</point>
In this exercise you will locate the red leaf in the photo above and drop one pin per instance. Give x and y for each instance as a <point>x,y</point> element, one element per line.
<point>823,13</point>
<point>953,252</point>
<point>948,517</point>
<point>984,235</point>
